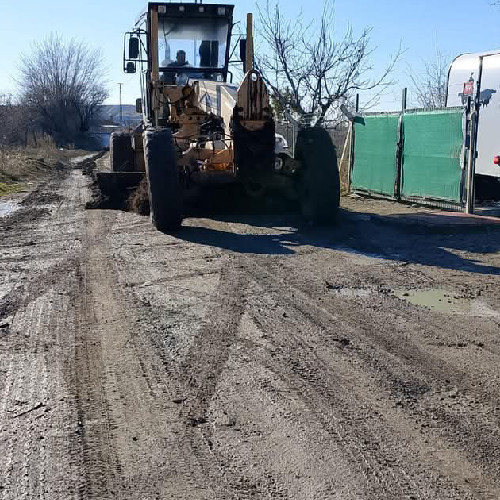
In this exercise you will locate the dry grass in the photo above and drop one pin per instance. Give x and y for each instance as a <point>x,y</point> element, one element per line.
<point>25,164</point>
<point>16,166</point>
<point>10,188</point>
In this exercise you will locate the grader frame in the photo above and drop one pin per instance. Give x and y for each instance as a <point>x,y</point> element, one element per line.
<point>199,128</point>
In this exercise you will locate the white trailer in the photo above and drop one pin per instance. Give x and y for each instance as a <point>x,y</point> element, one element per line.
<point>480,73</point>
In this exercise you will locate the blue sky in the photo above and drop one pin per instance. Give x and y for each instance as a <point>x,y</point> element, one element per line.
<point>421,25</point>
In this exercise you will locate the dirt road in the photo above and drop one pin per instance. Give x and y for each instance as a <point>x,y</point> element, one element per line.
<point>244,358</point>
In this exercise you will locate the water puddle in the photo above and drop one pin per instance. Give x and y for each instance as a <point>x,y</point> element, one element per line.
<point>444,301</point>
<point>437,300</point>
<point>8,207</point>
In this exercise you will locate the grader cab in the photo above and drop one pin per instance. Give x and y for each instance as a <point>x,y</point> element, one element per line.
<point>199,128</point>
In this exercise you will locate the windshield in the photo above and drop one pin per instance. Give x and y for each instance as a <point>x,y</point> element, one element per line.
<point>196,43</point>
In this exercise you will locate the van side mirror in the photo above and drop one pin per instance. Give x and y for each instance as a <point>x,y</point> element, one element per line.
<point>133,48</point>
<point>130,68</point>
<point>243,50</point>
<point>138,106</point>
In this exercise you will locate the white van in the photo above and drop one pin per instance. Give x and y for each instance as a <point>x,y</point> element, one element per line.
<point>467,74</point>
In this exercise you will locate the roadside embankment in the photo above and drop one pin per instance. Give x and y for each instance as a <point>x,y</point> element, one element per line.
<point>21,167</point>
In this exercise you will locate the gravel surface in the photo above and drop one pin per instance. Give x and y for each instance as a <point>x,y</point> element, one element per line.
<point>246,357</point>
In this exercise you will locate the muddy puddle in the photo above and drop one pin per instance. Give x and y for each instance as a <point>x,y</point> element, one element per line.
<point>437,299</point>
<point>8,207</point>
<point>444,301</point>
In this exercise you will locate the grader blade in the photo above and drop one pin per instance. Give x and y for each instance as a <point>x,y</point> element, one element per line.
<point>114,184</point>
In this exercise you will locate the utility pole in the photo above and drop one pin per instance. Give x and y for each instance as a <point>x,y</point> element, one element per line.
<point>121,111</point>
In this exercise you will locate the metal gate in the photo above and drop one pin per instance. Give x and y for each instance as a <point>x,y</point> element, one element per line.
<point>375,154</point>
<point>416,155</point>
<point>432,155</point>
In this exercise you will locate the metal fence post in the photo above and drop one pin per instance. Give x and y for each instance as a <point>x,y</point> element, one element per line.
<point>469,203</point>
<point>351,155</point>
<point>400,151</point>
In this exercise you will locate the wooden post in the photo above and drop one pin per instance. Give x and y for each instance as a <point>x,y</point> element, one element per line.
<point>347,148</point>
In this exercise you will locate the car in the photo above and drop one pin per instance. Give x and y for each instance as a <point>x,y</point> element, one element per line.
<point>282,153</point>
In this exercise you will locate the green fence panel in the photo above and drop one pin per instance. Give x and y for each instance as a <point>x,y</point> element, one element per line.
<point>375,148</point>
<point>432,152</point>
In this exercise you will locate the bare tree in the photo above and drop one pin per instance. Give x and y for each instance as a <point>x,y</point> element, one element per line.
<point>15,122</point>
<point>309,71</point>
<point>429,86</point>
<point>63,83</point>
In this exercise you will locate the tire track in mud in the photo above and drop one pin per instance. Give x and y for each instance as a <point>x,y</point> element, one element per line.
<point>37,411</point>
<point>191,381</point>
<point>217,337</point>
<point>382,459</point>
<point>207,358</point>
<point>34,286</point>
<point>98,315</point>
<point>38,417</point>
<point>317,379</point>
<point>409,374</point>
<point>135,445</point>
<point>136,420</point>
<point>321,387</point>
<point>388,462</point>
<point>404,350</point>
<point>203,366</point>
<point>208,354</point>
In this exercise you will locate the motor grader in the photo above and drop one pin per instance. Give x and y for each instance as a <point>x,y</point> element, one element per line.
<point>199,128</point>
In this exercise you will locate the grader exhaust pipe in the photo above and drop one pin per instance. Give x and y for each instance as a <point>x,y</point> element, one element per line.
<point>249,44</point>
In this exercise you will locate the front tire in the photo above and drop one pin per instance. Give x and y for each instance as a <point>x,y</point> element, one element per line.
<point>165,197</point>
<point>318,177</point>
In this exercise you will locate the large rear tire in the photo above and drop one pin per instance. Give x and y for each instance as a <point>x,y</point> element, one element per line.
<point>318,178</point>
<point>121,152</point>
<point>165,197</point>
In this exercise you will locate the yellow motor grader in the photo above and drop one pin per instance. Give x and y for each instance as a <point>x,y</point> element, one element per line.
<point>199,128</point>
